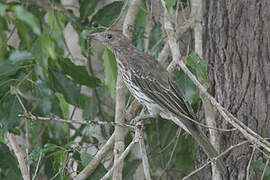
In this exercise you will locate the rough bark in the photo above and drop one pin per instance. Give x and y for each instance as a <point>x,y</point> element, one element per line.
<point>236,47</point>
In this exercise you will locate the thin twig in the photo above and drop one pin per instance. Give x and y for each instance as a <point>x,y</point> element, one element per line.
<point>211,127</point>
<point>264,169</point>
<point>214,159</point>
<point>172,153</point>
<point>148,26</point>
<point>52,178</point>
<point>97,159</point>
<point>27,144</point>
<point>157,44</point>
<point>91,71</point>
<point>86,122</point>
<point>19,99</point>
<point>36,170</point>
<point>159,144</point>
<point>120,15</point>
<point>249,162</point>
<point>11,33</point>
<point>169,144</point>
<point>123,155</point>
<point>145,162</point>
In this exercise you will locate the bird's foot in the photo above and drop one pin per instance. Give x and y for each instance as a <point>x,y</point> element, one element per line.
<point>140,118</point>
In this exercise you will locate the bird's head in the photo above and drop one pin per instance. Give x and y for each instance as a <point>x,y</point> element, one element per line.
<point>111,39</point>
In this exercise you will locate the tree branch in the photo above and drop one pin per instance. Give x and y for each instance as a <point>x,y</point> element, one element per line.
<point>97,159</point>
<point>124,154</point>
<point>20,156</point>
<point>146,167</point>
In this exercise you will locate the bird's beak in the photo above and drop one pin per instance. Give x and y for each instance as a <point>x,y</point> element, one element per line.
<point>93,36</point>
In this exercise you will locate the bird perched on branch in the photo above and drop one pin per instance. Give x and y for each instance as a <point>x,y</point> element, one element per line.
<point>150,83</point>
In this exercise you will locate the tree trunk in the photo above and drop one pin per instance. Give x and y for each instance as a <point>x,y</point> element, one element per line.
<point>236,41</point>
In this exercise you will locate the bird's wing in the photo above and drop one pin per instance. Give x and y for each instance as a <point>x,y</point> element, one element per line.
<point>166,94</point>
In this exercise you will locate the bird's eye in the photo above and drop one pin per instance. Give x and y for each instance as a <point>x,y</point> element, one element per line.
<point>109,36</point>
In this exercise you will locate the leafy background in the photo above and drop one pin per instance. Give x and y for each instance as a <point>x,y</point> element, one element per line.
<point>51,82</point>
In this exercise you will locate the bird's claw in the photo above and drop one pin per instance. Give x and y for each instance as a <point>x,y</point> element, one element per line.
<point>135,120</point>
<point>140,118</point>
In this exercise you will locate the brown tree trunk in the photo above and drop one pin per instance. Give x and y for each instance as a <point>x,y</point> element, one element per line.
<point>236,43</point>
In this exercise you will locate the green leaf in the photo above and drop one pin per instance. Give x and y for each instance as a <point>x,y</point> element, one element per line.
<point>90,129</point>
<point>3,9</point>
<point>8,164</point>
<point>87,7</point>
<point>41,58</point>
<point>185,155</point>
<point>187,86</point>
<point>25,35</point>
<point>199,65</point>
<point>155,36</point>
<point>34,154</point>
<point>63,105</point>
<point>5,84</point>
<point>141,17</point>
<point>65,86</point>
<point>40,54</point>
<point>10,108</point>
<point>50,148</point>
<point>130,167</point>
<point>84,44</point>
<point>22,14</point>
<point>49,45</point>
<point>106,15</point>
<point>46,100</point>
<point>19,56</point>
<point>170,3</point>
<point>79,74</point>
<point>8,69</point>
<point>258,166</point>
<point>3,39</point>
<point>85,158</point>
<point>57,22</point>
<point>55,163</point>
<point>85,105</point>
<point>110,68</point>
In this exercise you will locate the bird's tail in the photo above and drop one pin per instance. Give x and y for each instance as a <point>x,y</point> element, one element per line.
<point>208,148</point>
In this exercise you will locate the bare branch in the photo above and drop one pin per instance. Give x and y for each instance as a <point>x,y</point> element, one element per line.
<point>145,162</point>
<point>97,159</point>
<point>171,156</point>
<point>264,169</point>
<point>123,155</point>
<point>148,26</point>
<point>20,156</point>
<point>214,159</point>
<point>249,162</point>
<point>39,159</point>
<point>86,122</point>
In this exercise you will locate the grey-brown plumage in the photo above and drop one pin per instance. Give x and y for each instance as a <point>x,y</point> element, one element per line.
<point>153,87</point>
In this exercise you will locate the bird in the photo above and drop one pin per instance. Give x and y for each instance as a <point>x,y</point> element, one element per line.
<point>152,85</point>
